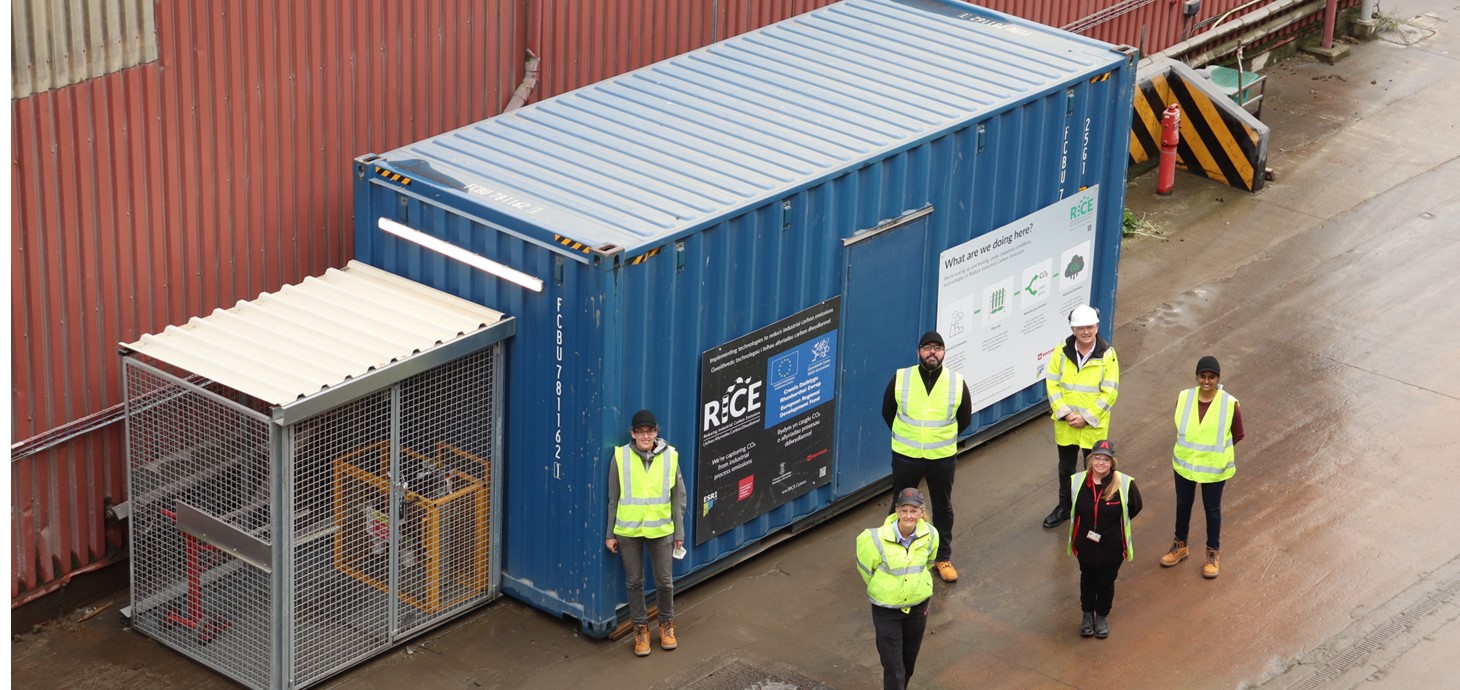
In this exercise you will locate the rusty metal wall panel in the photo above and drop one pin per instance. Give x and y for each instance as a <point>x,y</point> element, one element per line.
<point>736,17</point>
<point>1150,25</point>
<point>57,43</point>
<point>219,171</point>
<point>585,41</point>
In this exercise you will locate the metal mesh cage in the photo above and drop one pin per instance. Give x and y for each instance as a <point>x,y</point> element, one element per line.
<point>190,446</point>
<point>386,528</point>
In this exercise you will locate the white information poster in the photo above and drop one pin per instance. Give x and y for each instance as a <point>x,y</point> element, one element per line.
<point>1004,297</point>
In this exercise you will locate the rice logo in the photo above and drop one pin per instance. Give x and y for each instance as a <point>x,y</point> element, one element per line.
<point>740,398</point>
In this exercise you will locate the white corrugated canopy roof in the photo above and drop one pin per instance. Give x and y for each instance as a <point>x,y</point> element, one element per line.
<point>322,332</point>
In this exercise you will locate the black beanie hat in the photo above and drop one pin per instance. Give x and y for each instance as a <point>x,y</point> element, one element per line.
<point>1208,363</point>
<point>930,337</point>
<point>644,418</point>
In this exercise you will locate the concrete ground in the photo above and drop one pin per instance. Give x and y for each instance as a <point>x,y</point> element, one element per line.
<point>1331,300</point>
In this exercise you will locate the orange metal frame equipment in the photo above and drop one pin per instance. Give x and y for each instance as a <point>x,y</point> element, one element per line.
<point>357,486</point>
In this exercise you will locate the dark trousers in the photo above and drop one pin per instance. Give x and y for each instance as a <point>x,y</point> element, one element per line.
<point>661,550</point>
<point>1068,456</point>
<point>1211,502</point>
<point>1097,586</point>
<point>908,472</point>
<point>899,637</point>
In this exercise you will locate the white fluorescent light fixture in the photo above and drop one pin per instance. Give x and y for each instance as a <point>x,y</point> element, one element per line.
<point>450,250</point>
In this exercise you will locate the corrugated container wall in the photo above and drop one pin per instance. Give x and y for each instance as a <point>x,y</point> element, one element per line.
<point>684,206</point>
<point>157,193</point>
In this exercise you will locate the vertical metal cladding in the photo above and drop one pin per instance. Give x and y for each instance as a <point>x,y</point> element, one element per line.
<point>1149,25</point>
<point>585,41</point>
<point>218,171</point>
<point>56,44</point>
<point>691,202</point>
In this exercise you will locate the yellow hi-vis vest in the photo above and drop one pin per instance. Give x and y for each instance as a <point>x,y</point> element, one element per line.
<point>644,492</point>
<point>1203,451</point>
<point>926,425</point>
<point>897,577</point>
<point>1089,390</point>
<point>1076,481</point>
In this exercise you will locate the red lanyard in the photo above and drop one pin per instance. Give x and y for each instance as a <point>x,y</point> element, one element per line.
<point>1095,494</point>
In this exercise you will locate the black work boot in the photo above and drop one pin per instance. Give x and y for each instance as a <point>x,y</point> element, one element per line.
<point>1056,516</point>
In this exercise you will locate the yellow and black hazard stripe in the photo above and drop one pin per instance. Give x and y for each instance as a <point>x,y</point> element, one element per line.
<point>643,257</point>
<point>1100,77</point>
<point>392,176</point>
<point>571,243</point>
<point>1215,141</point>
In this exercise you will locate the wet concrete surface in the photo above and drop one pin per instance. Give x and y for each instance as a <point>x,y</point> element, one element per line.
<point>1331,299</point>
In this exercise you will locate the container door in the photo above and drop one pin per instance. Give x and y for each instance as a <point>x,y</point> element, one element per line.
<point>882,315</point>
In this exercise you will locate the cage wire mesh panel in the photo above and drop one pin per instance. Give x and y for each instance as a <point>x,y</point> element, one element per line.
<point>419,547</point>
<point>446,459</point>
<point>341,608</point>
<point>192,451</point>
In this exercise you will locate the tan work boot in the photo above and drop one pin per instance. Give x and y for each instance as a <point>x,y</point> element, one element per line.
<point>1177,554</point>
<point>946,571</point>
<point>641,640</point>
<point>1209,570</point>
<point>666,635</point>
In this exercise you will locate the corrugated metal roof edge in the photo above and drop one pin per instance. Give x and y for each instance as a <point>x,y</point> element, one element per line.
<point>198,348</point>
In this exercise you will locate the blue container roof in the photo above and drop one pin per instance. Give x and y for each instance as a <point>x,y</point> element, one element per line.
<point>646,156</point>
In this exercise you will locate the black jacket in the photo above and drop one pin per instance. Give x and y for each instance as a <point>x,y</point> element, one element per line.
<point>1111,547</point>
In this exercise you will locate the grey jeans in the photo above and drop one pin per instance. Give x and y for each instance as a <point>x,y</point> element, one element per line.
<point>631,552</point>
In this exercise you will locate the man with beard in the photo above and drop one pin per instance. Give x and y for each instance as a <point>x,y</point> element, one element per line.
<point>928,407</point>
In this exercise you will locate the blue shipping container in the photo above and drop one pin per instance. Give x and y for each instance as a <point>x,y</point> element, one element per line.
<point>748,239</point>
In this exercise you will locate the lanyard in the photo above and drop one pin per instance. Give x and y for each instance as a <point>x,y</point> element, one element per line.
<point>1095,494</point>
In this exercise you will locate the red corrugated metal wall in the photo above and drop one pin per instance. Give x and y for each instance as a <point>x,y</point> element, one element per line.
<point>149,196</point>
<point>1151,25</point>
<point>584,41</point>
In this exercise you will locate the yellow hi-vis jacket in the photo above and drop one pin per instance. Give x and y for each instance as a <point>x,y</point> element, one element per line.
<point>644,493</point>
<point>1076,481</point>
<point>1203,451</point>
<point>1089,390</point>
<point>926,425</point>
<point>897,577</point>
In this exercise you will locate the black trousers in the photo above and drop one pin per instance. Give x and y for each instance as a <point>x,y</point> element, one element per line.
<point>1097,586</point>
<point>909,472</point>
<point>1068,456</point>
<point>1211,503</point>
<point>899,637</point>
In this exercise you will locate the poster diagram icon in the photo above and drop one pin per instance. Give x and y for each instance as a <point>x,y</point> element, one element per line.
<point>1074,266</point>
<point>996,301</point>
<point>1036,283</point>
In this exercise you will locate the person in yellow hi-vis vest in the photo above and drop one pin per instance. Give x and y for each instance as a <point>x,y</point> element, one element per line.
<point>1208,427</point>
<point>1082,379</point>
<point>927,407</point>
<point>895,562</point>
<point>1105,501</point>
<point>646,498</point>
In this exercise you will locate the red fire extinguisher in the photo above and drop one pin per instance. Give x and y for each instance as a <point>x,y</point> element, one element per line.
<point>1170,137</point>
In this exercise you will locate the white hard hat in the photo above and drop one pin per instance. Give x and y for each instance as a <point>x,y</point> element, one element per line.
<point>1084,316</point>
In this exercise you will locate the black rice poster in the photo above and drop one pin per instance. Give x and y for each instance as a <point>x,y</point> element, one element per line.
<point>766,406</point>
